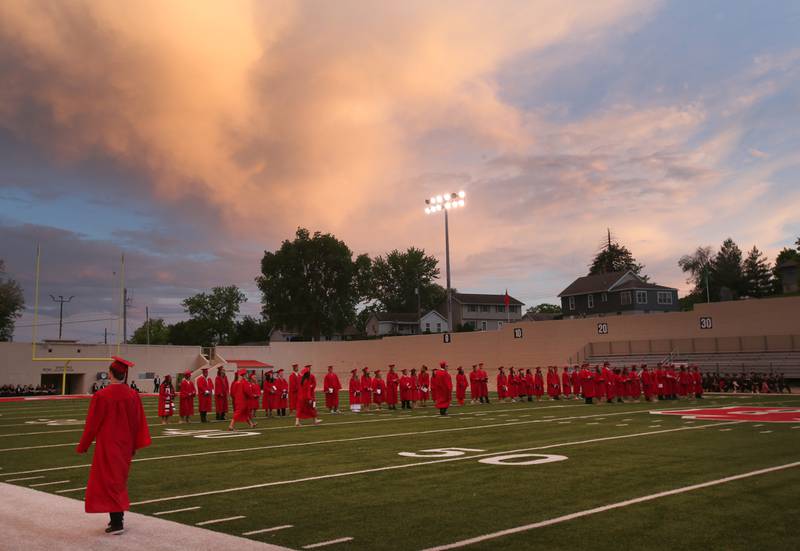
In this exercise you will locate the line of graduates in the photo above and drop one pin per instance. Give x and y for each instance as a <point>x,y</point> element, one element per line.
<point>601,383</point>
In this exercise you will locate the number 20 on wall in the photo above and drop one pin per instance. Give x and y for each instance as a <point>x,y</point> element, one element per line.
<point>602,328</point>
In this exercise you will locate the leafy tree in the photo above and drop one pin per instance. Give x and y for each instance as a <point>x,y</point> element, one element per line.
<point>12,302</point>
<point>250,329</point>
<point>544,308</point>
<point>614,257</point>
<point>757,274</point>
<point>192,332</point>
<point>217,310</point>
<point>728,274</point>
<point>312,284</point>
<point>784,255</point>
<point>159,333</point>
<point>397,278</point>
<point>699,265</point>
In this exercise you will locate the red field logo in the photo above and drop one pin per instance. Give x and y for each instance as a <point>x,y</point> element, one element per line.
<point>740,413</point>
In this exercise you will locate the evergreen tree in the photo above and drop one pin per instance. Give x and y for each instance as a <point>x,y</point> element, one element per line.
<point>728,274</point>
<point>614,257</point>
<point>757,274</point>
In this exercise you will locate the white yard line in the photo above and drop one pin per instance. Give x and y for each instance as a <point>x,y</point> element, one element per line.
<point>319,442</point>
<point>71,490</point>
<point>24,478</point>
<point>218,520</point>
<point>326,543</point>
<point>48,483</point>
<point>264,530</point>
<point>604,508</point>
<point>423,463</point>
<point>176,511</point>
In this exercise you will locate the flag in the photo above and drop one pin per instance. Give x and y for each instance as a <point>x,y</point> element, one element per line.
<point>507,299</point>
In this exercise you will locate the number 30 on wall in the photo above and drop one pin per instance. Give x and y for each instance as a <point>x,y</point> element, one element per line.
<point>706,323</point>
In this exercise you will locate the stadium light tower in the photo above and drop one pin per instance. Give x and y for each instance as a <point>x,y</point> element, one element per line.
<point>445,203</point>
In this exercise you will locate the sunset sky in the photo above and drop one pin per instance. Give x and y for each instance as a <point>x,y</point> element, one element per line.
<point>193,135</point>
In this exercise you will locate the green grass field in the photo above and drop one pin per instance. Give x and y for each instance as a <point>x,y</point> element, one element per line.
<point>347,479</point>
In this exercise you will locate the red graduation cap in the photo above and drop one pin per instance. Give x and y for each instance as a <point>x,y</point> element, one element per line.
<point>392,365</point>
<point>280,370</point>
<point>241,372</point>
<point>307,366</point>
<point>187,373</point>
<point>204,368</point>
<point>443,364</point>
<point>354,370</point>
<point>120,366</point>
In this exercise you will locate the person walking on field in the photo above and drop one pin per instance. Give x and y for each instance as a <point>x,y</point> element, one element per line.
<point>240,394</point>
<point>221,391</point>
<point>306,397</point>
<point>205,393</point>
<point>461,386</point>
<point>294,381</point>
<point>166,400</point>
<point>188,393</point>
<point>332,387</point>
<point>283,394</point>
<point>442,388</point>
<point>118,426</point>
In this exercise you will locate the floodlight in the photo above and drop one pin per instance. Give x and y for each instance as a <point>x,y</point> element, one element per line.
<point>447,205</point>
<point>439,198</point>
<point>427,210</point>
<point>461,194</point>
<point>432,200</point>
<point>461,202</point>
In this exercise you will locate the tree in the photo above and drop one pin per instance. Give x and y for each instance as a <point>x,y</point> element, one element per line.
<point>544,308</point>
<point>159,333</point>
<point>191,332</point>
<point>757,274</point>
<point>397,278</point>
<point>614,257</point>
<point>786,254</point>
<point>250,329</point>
<point>217,310</point>
<point>728,273</point>
<point>12,301</point>
<point>699,266</point>
<point>312,284</point>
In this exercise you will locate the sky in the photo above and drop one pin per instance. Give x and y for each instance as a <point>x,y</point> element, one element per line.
<point>194,135</point>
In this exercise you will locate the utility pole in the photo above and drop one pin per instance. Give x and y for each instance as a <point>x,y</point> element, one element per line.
<point>105,335</point>
<point>61,300</point>
<point>147,318</point>
<point>125,303</point>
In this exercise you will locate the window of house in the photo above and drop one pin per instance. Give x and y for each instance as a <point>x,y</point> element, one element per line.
<point>625,297</point>
<point>483,326</point>
<point>484,307</point>
<point>472,308</point>
<point>515,308</point>
<point>604,297</point>
<point>590,301</point>
<point>427,327</point>
<point>438,327</point>
<point>641,297</point>
<point>664,297</point>
<point>571,303</point>
<point>501,308</point>
<point>499,324</point>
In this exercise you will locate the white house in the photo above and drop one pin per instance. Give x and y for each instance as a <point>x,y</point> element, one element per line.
<point>433,322</point>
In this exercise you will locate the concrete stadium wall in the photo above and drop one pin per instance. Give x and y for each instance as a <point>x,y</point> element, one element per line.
<point>734,325</point>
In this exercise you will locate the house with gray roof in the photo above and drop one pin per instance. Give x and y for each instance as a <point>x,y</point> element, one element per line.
<point>616,293</point>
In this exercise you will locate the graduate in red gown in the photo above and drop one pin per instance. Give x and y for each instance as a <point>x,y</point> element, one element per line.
<point>166,399</point>
<point>270,393</point>
<point>118,426</point>
<point>424,385</point>
<point>442,390</point>
<point>415,386</point>
<point>461,386</point>
<point>221,392</point>
<point>599,384</point>
<point>575,379</point>
<point>684,382</point>
<point>331,387</point>
<point>648,383</point>
<point>473,384</point>
<point>697,382</point>
<point>366,390</point>
<point>502,383</point>
<point>378,389</point>
<point>392,387</point>
<point>406,389</point>
<point>553,385</point>
<point>484,386</point>
<point>566,383</point>
<point>529,384</point>
<point>306,397</point>
<point>254,395</point>
<point>538,383</point>
<point>205,391</point>
<point>282,398</point>
<point>240,394</point>
<point>188,393</point>
<point>294,386</point>
<point>587,383</point>
<point>354,390</point>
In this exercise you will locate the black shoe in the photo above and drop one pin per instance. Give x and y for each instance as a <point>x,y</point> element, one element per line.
<point>115,530</point>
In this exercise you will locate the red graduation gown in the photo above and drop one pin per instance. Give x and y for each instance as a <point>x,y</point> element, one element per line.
<point>378,391</point>
<point>406,388</point>
<point>424,386</point>
<point>187,398</point>
<point>166,400</point>
<point>502,386</point>
<point>239,393</point>
<point>294,386</point>
<point>332,387</point>
<point>366,390</point>
<point>221,390</point>
<point>117,422</point>
<point>205,389</point>
<point>587,383</point>
<point>354,389</point>
<point>474,383</point>
<point>442,389</point>
<point>566,386</point>
<point>392,384</point>
<point>461,388</point>
<point>538,384</point>
<point>306,397</point>
<point>282,400</point>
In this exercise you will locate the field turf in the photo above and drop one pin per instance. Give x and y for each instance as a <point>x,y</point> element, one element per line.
<point>346,479</point>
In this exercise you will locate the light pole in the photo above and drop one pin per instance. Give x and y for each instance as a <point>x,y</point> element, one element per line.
<point>446,202</point>
<point>61,300</point>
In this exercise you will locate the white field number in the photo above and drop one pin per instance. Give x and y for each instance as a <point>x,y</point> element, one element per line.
<point>55,422</point>
<point>514,459</point>
<point>208,433</point>
<point>439,452</point>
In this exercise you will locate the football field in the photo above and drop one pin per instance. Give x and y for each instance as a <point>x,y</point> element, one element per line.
<point>551,474</point>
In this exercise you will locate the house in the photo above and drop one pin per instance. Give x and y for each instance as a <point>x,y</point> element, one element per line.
<point>434,321</point>
<point>285,335</point>
<point>483,312</point>
<point>789,275</point>
<point>386,323</point>
<point>616,293</point>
